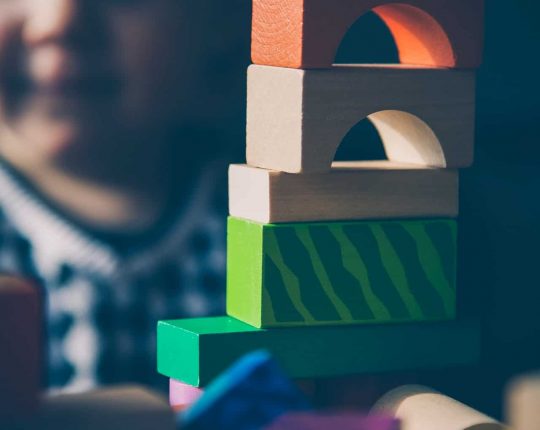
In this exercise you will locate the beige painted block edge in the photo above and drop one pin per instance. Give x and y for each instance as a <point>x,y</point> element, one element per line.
<point>350,191</point>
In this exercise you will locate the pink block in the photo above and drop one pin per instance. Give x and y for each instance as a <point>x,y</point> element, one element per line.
<point>342,421</point>
<point>181,394</point>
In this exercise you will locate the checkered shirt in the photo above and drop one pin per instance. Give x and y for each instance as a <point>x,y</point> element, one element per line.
<point>103,304</point>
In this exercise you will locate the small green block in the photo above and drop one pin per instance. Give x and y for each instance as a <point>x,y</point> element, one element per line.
<point>196,351</point>
<point>310,274</point>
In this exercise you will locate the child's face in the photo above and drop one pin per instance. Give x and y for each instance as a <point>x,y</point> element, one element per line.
<point>78,74</point>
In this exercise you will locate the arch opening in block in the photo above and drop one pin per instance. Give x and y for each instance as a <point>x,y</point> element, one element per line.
<point>368,41</point>
<point>362,143</point>
<point>418,37</point>
<point>405,138</point>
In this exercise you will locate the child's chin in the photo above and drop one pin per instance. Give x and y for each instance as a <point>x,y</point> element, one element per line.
<point>51,140</point>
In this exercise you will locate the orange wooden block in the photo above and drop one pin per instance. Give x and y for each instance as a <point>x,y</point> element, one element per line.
<point>307,33</point>
<point>20,347</point>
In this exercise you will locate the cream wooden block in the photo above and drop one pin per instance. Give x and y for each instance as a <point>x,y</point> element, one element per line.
<point>420,408</point>
<point>523,408</point>
<point>296,119</point>
<point>349,191</point>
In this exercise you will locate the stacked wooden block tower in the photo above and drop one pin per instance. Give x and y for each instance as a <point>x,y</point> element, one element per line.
<point>341,268</point>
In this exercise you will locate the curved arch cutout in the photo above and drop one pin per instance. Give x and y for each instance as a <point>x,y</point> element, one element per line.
<point>368,41</point>
<point>361,143</point>
<point>420,39</point>
<point>408,139</point>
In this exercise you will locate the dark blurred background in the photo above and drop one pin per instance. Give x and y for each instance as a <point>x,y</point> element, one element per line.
<point>500,208</point>
<point>500,203</point>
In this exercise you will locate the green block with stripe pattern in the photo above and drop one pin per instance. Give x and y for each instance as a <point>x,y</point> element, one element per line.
<point>308,274</point>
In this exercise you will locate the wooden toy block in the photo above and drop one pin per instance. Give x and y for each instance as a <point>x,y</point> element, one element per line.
<point>341,421</point>
<point>350,191</point>
<point>306,274</point>
<point>119,408</point>
<point>249,395</point>
<point>182,396</point>
<point>306,34</point>
<point>20,347</point>
<point>421,408</point>
<point>195,351</point>
<point>296,119</point>
<point>523,403</point>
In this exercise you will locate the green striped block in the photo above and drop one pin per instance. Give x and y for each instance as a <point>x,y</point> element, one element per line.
<point>307,274</point>
<point>195,351</point>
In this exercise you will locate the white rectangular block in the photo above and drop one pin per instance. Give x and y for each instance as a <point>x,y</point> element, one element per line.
<point>350,191</point>
<point>296,119</point>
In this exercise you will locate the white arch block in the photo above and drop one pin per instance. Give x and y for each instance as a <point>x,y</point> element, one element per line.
<point>350,191</point>
<point>296,119</point>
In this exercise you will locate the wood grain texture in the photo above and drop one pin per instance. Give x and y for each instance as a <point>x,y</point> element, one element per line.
<point>341,273</point>
<point>195,351</point>
<point>421,408</point>
<point>523,402</point>
<point>296,119</point>
<point>20,347</point>
<point>350,191</point>
<point>306,34</point>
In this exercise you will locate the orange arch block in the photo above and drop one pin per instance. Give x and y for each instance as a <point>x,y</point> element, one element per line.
<point>306,34</point>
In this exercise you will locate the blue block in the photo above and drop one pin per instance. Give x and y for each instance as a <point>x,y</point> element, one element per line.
<point>248,396</point>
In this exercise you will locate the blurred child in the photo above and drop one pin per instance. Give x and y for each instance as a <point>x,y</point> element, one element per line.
<point>117,121</point>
